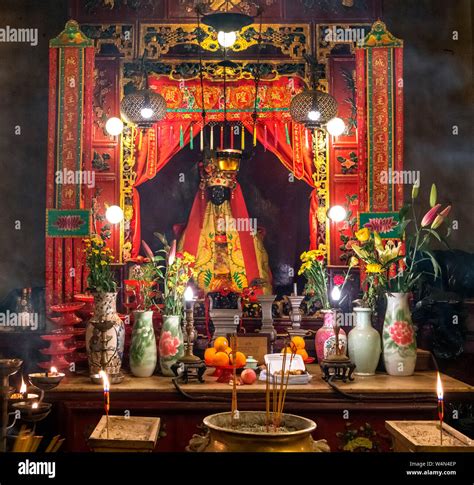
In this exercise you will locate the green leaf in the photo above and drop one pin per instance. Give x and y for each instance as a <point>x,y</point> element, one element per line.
<point>436,266</point>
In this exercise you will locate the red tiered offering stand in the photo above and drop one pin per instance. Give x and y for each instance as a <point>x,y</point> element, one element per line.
<point>66,340</point>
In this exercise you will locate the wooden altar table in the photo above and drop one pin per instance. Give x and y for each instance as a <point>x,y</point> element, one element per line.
<point>78,404</point>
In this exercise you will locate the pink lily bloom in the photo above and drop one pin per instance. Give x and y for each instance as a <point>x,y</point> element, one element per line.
<point>430,216</point>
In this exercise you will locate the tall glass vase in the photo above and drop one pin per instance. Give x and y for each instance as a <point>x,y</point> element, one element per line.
<point>325,340</point>
<point>143,346</point>
<point>364,343</point>
<point>105,348</point>
<point>171,346</point>
<point>399,336</point>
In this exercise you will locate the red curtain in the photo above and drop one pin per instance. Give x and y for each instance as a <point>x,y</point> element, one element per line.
<point>157,146</point>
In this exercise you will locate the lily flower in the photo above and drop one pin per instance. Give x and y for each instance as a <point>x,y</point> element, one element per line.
<point>433,195</point>
<point>362,253</point>
<point>441,217</point>
<point>378,241</point>
<point>172,253</point>
<point>391,251</point>
<point>430,216</point>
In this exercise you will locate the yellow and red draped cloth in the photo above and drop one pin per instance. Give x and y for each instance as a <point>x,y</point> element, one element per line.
<point>71,80</point>
<point>379,82</point>
<point>246,258</point>
<point>275,131</point>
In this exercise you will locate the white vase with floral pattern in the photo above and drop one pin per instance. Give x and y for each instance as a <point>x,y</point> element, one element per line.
<point>171,346</point>
<point>399,336</point>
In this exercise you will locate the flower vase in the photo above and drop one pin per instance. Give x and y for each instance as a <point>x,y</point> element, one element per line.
<point>399,336</point>
<point>105,336</point>
<point>143,346</point>
<point>325,340</point>
<point>364,343</point>
<point>171,346</point>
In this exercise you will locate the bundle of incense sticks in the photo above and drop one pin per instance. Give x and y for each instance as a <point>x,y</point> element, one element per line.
<point>27,442</point>
<point>278,392</point>
<point>234,411</point>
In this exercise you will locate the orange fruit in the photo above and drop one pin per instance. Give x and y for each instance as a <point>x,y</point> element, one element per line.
<point>298,342</point>
<point>209,355</point>
<point>220,358</point>
<point>303,353</point>
<point>228,350</point>
<point>220,344</point>
<point>240,359</point>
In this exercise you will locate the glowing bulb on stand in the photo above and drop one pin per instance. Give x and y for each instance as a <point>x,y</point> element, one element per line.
<point>336,126</point>
<point>336,293</point>
<point>337,213</point>
<point>114,214</point>
<point>189,294</point>
<point>114,126</point>
<point>226,39</point>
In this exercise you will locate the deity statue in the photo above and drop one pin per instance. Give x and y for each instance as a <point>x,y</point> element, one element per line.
<point>228,245</point>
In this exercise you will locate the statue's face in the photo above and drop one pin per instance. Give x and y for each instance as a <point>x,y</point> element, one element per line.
<point>218,194</point>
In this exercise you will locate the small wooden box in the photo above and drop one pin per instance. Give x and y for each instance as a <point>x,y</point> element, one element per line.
<point>414,436</point>
<point>134,434</point>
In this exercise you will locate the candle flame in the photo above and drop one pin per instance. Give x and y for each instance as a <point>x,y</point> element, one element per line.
<point>53,370</point>
<point>35,405</point>
<point>105,380</point>
<point>439,388</point>
<point>23,386</point>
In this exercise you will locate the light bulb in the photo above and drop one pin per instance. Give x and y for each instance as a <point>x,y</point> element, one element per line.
<point>314,115</point>
<point>336,293</point>
<point>114,126</point>
<point>226,39</point>
<point>146,113</point>
<point>189,294</point>
<point>114,214</point>
<point>336,126</point>
<point>337,213</point>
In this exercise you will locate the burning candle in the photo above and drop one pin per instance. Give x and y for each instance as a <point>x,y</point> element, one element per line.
<point>202,139</point>
<point>212,138</point>
<point>23,389</point>
<point>105,380</point>
<point>53,372</point>
<point>439,389</point>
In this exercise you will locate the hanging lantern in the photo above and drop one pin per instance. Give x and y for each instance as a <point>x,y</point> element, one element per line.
<point>143,108</point>
<point>227,24</point>
<point>313,108</point>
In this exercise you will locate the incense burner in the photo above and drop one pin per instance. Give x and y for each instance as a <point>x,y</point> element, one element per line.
<point>221,436</point>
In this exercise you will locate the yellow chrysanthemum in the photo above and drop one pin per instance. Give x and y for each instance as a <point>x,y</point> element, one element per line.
<point>374,268</point>
<point>363,234</point>
<point>305,266</point>
<point>103,263</point>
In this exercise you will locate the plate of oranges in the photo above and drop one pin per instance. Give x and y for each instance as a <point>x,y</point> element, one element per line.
<point>297,346</point>
<point>221,356</point>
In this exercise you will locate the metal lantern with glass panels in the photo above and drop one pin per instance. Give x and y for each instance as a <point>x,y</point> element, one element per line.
<point>143,108</point>
<point>314,108</point>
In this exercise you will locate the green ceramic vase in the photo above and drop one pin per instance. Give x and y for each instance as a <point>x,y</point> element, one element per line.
<point>143,346</point>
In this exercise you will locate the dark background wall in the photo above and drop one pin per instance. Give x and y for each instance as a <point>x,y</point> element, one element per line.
<point>438,95</point>
<point>24,102</point>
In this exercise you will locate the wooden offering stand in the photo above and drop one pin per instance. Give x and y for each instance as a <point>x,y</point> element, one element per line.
<point>337,366</point>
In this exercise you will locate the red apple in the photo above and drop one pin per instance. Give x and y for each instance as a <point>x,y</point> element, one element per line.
<point>248,376</point>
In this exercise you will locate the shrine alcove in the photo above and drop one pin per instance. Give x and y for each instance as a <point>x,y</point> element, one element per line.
<point>278,202</point>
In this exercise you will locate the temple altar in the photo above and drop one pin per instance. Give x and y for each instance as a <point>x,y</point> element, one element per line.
<point>253,237</point>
